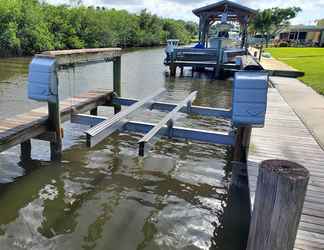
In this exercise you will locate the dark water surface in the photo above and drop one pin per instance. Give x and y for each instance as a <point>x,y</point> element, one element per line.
<point>178,197</point>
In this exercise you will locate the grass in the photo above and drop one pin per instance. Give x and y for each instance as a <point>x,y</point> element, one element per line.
<point>308,60</point>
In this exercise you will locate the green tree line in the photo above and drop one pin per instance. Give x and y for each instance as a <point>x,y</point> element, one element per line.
<point>28,27</point>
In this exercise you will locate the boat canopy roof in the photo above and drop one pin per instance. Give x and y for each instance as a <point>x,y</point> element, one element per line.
<point>236,12</point>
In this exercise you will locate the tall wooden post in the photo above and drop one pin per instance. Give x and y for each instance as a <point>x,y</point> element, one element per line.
<point>117,80</point>
<point>173,66</point>
<point>200,29</point>
<point>25,149</point>
<point>278,205</point>
<point>219,59</point>
<point>203,29</point>
<point>242,144</point>
<point>260,53</point>
<point>54,121</point>
<point>54,124</point>
<point>244,32</point>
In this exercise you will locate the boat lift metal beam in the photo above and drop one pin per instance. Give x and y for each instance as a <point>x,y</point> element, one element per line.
<point>102,130</point>
<point>168,120</point>
<point>164,106</point>
<point>199,135</point>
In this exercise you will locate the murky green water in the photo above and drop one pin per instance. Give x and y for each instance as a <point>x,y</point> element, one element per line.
<point>178,197</point>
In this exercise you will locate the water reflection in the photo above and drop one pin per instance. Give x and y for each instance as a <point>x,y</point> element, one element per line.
<point>107,197</point>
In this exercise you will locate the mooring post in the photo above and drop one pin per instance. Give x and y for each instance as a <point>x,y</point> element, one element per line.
<point>181,71</point>
<point>260,52</point>
<point>279,199</point>
<point>117,80</point>
<point>219,59</point>
<point>54,124</point>
<point>173,66</point>
<point>25,149</point>
<point>242,144</point>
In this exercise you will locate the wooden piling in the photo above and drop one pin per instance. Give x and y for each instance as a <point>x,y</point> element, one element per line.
<point>242,144</point>
<point>54,124</point>
<point>181,71</point>
<point>260,52</point>
<point>25,149</point>
<point>279,200</point>
<point>173,66</point>
<point>94,111</point>
<point>117,80</point>
<point>219,60</point>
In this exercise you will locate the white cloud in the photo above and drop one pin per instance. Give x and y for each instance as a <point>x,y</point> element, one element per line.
<point>182,9</point>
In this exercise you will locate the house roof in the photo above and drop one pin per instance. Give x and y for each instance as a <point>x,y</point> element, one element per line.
<point>303,28</point>
<point>219,7</point>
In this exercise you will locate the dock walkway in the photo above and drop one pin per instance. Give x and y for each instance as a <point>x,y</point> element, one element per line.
<point>276,67</point>
<point>286,137</point>
<point>23,127</point>
<point>306,102</point>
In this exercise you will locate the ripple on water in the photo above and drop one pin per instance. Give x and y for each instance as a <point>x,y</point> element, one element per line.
<point>107,197</point>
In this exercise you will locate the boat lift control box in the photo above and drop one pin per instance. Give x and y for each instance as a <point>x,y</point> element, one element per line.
<point>42,79</point>
<point>249,99</point>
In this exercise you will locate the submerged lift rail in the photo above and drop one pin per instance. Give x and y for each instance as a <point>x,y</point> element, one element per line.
<point>101,131</point>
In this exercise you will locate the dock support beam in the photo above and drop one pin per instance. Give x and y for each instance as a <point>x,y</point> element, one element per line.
<point>25,149</point>
<point>54,123</point>
<point>117,81</point>
<point>278,205</point>
<point>242,144</point>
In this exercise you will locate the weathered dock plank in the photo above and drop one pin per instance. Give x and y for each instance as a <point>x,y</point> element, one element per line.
<point>18,129</point>
<point>286,137</point>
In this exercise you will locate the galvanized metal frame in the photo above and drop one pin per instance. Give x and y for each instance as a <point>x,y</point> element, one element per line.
<point>169,119</point>
<point>177,132</point>
<point>102,130</point>
<point>165,106</point>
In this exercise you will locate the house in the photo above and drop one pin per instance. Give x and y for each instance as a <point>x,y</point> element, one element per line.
<point>303,34</point>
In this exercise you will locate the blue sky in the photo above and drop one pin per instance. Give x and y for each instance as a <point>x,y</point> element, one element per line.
<point>181,9</point>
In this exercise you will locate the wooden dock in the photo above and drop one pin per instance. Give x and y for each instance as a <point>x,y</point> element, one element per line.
<point>286,137</point>
<point>34,124</point>
<point>43,85</point>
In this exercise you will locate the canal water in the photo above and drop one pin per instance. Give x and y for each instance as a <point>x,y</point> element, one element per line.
<point>178,197</point>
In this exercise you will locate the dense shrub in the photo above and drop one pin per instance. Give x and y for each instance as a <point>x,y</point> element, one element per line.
<point>28,27</point>
<point>283,44</point>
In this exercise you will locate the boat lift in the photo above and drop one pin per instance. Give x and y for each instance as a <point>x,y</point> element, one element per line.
<point>249,102</point>
<point>248,110</point>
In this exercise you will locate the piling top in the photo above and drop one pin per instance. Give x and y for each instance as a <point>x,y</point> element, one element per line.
<point>286,168</point>
<point>74,56</point>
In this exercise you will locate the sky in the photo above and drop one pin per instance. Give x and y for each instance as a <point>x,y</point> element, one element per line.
<point>182,9</point>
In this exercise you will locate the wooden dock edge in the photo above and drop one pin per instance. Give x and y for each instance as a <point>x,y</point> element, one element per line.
<point>39,129</point>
